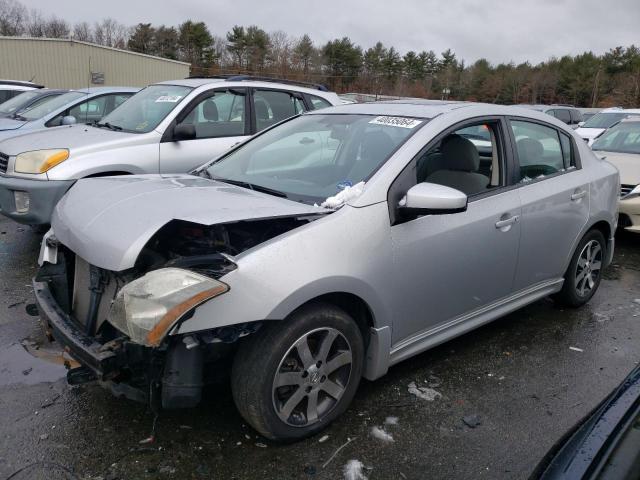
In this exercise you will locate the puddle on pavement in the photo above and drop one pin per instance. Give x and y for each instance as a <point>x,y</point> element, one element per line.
<point>26,364</point>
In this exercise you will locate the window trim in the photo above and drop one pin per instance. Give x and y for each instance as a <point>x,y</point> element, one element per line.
<point>167,136</point>
<point>514,150</point>
<point>506,158</point>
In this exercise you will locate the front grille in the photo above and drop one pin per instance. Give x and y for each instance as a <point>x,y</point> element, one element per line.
<point>626,190</point>
<point>4,162</point>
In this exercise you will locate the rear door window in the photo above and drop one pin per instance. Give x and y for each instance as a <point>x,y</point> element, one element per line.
<point>563,115</point>
<point>272,106</point>
<point>539,151</point>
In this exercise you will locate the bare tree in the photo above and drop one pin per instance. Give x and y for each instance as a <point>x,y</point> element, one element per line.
<point>280,52</point>
<point>56,28</point>
<point>13,18</point>
<point>36,25</point>
<point>82,32</point>
<point>111,33</point>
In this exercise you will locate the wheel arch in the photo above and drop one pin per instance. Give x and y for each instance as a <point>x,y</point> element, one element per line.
<point>604,226</point>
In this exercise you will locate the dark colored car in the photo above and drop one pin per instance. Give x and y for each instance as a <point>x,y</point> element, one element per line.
<point>605,445</point>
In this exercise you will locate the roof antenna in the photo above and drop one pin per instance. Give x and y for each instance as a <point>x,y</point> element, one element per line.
<point>86,110</point>
<point>33,78</point>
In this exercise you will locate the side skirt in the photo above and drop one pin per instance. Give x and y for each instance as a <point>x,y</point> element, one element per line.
<point>435,336</point>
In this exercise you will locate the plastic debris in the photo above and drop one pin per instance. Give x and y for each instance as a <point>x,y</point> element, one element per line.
<point>391,421</point>
<point>353,470</point>
<point>261,445</point>
<point>349,440</point>
<point>472,421</point>
<point>380,434</point>
<point>576,349</point>
<point>423,393</point>
<point>323,439</point>
<point>343,196</point>
<point>44,436</point>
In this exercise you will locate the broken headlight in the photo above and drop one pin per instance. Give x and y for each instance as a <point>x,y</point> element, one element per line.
<point>146,308</point>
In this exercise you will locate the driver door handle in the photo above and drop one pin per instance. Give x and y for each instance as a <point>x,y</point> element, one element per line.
<point>507,222</point>
<point>578,195</point>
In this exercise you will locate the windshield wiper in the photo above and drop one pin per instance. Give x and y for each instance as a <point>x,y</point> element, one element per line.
<point>17,116</point>
<point>250,186</point>
<point>108,125</point>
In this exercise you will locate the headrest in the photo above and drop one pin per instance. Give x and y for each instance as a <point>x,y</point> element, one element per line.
<point>460,153</point>
<point>530,151</point>
<point>210,111</point>
<point>262,112</point>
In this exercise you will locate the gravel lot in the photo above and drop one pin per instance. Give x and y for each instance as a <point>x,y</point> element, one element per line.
<point>518,378</point>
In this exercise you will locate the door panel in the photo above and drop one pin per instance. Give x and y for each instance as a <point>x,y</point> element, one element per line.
<point>551,223</point>
<point>220,122</point>
<point>448,265</point>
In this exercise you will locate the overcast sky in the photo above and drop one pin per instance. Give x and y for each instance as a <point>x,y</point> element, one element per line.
<point>499,30</point>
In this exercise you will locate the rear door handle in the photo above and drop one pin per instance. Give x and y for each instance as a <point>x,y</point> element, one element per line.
<point>578,195</point>
<point>507,222</point>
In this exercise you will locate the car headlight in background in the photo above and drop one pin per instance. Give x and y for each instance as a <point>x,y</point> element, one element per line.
<point>146,308</point>
<point>39,161</point>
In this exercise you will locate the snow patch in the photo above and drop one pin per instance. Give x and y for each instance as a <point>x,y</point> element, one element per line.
<point>345,195</point>
<point>391,421</point>
<point>380,434</point>
<point>423,393</point>
<point>353,470</point>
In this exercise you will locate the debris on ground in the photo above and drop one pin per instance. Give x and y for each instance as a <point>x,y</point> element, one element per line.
<point>576,349</point>
<point>472,421</point>
<point>323,439</point>
<point>11,305</point>
<point>166,469</point>
<point>353,470</point>
<point>343,196</point>
<point>310,470</point>
<point>261,445</point>
<point>391,421</point>
<point>32,310</point>
<point>349,440</point>
<point>433,382</point>
<point>27,371</point>
<point>44,436</point>
<point>423,393</point>
<point>380,434</point>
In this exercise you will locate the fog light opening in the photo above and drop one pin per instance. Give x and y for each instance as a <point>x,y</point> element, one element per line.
<point>22,201</point>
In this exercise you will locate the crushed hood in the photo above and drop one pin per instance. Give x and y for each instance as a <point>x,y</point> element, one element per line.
<point>79,139</point>
<point>10,124</point>
<point>108,221</point>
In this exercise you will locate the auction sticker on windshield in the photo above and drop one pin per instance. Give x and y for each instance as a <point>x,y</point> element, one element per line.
<point>401,122</point>
<point>168,98</point>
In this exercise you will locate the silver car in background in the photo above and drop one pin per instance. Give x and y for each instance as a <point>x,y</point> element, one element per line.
<point>77,106</point>
<point>325,249</point>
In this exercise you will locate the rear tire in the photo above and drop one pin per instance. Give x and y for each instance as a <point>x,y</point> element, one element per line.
<point>585,271</point>
<point>293,378</point>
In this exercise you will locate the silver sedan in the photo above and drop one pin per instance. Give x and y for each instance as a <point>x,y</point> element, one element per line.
<point>323,250</point>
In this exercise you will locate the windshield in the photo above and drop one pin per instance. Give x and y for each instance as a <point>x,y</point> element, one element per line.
<point>46,108</point>
<point>604,120</point>
<point>147,108</point>
<point>313,157</point>
<point>10,106</point>
<point>623,138</point>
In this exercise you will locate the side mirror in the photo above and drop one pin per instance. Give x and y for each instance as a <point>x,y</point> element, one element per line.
<point>69,120</point>
<point>580,124</point>
<point>432,199</point>
<point>184,131</point>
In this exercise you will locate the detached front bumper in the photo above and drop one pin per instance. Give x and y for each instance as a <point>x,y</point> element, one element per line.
<point>36,198</point>
<point>101,361</point>
<point>630,214</point>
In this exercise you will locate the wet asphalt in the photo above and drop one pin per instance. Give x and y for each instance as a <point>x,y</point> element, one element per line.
<point>518,377</point>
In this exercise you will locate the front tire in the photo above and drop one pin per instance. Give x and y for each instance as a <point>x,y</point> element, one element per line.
<point>583,276</point>
<point>292,378</point>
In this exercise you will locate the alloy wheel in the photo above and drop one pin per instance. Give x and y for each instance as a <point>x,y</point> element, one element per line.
<point>588,268</point>
<point>312,377</point>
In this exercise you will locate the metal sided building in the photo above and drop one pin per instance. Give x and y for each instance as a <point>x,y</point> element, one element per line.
<point>65,63</point>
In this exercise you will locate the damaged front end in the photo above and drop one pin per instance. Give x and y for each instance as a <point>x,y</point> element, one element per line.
<point>121,326</point>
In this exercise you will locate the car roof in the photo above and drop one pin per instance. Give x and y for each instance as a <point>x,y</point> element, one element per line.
<point>408,108</point>
<point>95,90</point>
<point>246,82</point>
<point>20,83</point>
